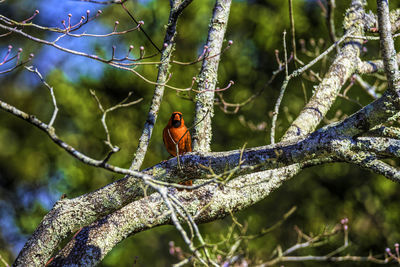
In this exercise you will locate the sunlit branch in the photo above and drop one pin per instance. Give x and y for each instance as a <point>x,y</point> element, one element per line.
<point>53,98</point>
<point>162,78</point>
<point>18,63</point>
<point>387,48</point>
<point>295,74</point>
<point>122,104</point>
<point>94,57</point>
<point>50,131</point>
<point>208,74</point>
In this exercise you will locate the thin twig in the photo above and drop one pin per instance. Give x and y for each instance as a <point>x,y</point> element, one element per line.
<point>224,105</point>
<point>295,74</point>
<point>121,104</point>
<point>163,192</point>
<point>3,261</point>
<point>195,227</point>
<point>330,19</point>
<point>139,24</point>
<point>75,153</point>
<point>292,29</point>
<point>55,111</point>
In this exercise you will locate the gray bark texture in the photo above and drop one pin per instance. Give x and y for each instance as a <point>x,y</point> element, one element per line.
<point>107,216</point>
<point>204,110</point>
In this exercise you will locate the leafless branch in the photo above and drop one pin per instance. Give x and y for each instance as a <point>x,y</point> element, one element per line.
<point>162,79</point>
<point>295,74</point>
<point>53,117</point>
<point>121,104</point>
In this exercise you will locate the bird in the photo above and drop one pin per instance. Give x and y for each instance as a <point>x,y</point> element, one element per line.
<point>176,133</point>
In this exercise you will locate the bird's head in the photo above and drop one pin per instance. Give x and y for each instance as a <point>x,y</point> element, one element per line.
<point>176,119</point>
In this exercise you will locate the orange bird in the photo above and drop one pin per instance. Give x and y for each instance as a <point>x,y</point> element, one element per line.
<point>176,133</point>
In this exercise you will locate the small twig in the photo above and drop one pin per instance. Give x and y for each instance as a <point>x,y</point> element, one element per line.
<point>285,53</point>
<point>163,192</point>
<point>176,147</point>
<point>370,89</point>
<point>292,28</point>
<point>235,221</point>
<point>293,31</point>
<point>330,19</point>
<point>141,28</point>
<point>3,261</point>
<point>295,74</point>
<point>107,34</point>
<point>204,55</point>
<point>121,104</point>
<point>224,105</point>
<point>75,153</point>
<point>17,56</point>
<point>273,227</point>
<point>195,227</point>
<point>31,18</point>
<point>55,111</point>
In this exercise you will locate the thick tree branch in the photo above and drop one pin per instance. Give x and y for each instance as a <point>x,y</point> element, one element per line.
<point>204,110</point>
<point>252,173</point>
<point>297,73</point>
<point>341,69</point>
<point>237,194</point>
<point>205,204</point>
<point>387,47</point>
<point>162,78</point>
<point>212,202</point>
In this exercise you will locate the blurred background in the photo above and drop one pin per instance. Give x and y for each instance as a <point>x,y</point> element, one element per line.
<point>34,172</point>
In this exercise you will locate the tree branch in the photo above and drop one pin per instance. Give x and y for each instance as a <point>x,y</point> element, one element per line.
<point>208,77</point>
<point>387,48</point>
<point>341,69</point>
<point>162,78</point>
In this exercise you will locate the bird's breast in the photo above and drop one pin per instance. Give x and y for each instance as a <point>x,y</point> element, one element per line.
<point>177,133</point>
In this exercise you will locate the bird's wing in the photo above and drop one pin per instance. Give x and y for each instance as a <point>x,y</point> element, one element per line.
<point>165,136</point>
<point>188,142</point>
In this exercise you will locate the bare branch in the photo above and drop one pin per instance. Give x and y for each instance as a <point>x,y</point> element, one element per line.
<point>233,179</point>
<point>122,104</point>
<point>297,73</point>
<point>3,261</point>
<point>50,131</point>
<point>162,78</point>
<point>53,117</point>
<point>387,48</point>
<point>208,77</point>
